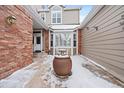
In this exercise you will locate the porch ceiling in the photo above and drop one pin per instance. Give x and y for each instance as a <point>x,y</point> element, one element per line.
<point>64,27</point>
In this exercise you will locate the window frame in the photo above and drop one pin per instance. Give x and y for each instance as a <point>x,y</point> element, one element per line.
<point>56,11</point>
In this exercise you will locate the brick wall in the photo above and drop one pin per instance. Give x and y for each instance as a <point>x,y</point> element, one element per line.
<point>15,40</point>
<point>79,41</point>
<point>46,40</point>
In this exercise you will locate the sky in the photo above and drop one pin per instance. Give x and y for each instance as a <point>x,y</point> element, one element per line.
<point>85,9</point>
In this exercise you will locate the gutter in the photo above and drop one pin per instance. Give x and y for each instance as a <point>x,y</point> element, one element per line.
<point>69,9</point>
<point>93,12</point>
<point>35,16</point>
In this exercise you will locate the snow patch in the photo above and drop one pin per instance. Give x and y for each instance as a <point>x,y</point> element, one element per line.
<point>80,78</point>
<point>18,78</point>
<point>89,60</point>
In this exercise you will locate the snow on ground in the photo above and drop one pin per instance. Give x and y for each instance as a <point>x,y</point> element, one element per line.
<point>93,62</point>
<point>80,78</point>
<point>17,79</point>
<point>26,77</point>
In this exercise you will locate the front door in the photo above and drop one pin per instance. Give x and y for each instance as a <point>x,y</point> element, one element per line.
<point>37,42</point>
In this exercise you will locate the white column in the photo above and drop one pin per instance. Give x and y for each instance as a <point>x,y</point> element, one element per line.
<point>34,42</point>
<point>77,42</point>
<point>41,41</point>
<point>72,44</point>
<point>53,43</point>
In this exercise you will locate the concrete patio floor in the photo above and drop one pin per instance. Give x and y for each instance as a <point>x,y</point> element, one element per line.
<point>40,74</point>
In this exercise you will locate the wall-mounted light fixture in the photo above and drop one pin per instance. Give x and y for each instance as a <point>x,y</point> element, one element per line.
<point>122,23</point>
<point>96,28</point>
<point>87,28</point>
<point>122,16</point>
<point>11,20</point>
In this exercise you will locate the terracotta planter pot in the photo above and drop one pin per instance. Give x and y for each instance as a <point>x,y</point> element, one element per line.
<point>62,65</point>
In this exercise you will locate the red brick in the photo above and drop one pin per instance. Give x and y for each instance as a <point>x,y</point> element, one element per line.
<point>15,40</point>
<point>79,41</point>
<point>46,38</point>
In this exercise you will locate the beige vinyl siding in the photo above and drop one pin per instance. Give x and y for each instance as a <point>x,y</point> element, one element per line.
<point>48,18</point>
<point>106,46</point>
<point>71,17</point>
<point>68,17</point>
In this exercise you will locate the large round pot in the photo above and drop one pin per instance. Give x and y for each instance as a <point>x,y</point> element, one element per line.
<point>62,65</point>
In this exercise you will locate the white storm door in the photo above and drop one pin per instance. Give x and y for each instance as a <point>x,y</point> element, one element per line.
<point>37,44</point>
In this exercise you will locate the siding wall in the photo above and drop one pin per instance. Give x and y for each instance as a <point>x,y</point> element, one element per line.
<point>106,46</point>
<point>68,16</point>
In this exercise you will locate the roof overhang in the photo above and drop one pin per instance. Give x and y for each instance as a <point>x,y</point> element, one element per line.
<point>53,5</point>
<point>63,27</point>
<point>69,9</point>
<point>38,23</point>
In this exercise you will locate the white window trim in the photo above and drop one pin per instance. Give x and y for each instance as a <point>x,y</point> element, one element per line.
<point>77,42</point>
<point>72,47</point>
<point>54,12</point>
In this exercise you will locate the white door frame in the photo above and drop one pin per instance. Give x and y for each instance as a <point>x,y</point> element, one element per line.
<point>36,46</point>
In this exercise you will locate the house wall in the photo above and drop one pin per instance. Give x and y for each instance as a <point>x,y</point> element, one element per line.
<point>15,40</point>
<point>68,16</point>
<point>48,18</point>
<point>46,40</point>
<point>79,41</point>
<point>106,46</point>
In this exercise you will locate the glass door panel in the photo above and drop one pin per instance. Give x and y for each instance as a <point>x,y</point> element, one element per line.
<point>62,40</point>
<point>63,43</point>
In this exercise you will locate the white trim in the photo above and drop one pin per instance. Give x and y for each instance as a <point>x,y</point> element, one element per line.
<point>72,41</point>
<point>54,44</point>
<point>34,42</point>
<point>77,42</point>
<point>64,27</point>
<point>35,45</point>
<point>93,12</point>
<point>49,40</point>
<point>56,11</point>
<point>41,42</point>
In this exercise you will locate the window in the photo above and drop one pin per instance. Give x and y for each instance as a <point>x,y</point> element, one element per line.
<point>62,40</point>
<point>33,39</point>
<point>56,15</point>
<point>38,40</point>
<point>51,40</point>
<point>74,40</point>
